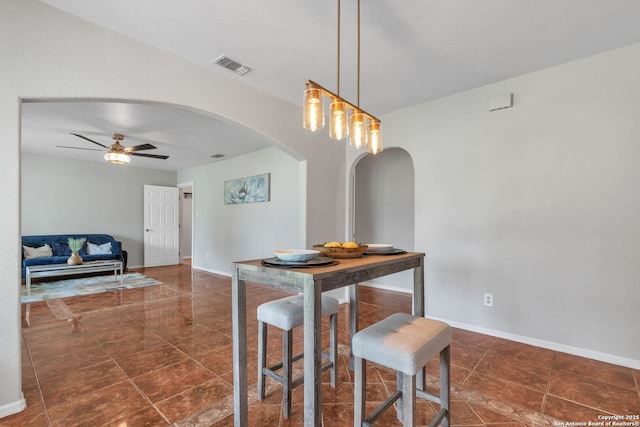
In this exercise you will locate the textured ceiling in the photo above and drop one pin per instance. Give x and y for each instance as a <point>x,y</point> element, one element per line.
<point>412,51</point>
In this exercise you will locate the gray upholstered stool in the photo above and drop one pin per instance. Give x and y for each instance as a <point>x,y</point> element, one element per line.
<point>286,314</point>
<point>404,343</point>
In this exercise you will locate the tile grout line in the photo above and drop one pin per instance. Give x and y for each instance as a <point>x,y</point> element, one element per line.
<point>586,405</point>
<point>131,381</point>
<point>466,377</point>
<point>113,359</point>
<point>547,391</point>
<point>582,404</point>
<point>35,374</point>
<point>509,410</point>
<point>225,409</point>
<point>139,390</point>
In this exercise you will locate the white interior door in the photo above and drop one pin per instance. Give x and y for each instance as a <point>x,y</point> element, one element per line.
<point>161,226</point>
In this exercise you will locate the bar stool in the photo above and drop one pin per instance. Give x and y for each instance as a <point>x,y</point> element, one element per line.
<point>404,343</point>
<point>286,314</point>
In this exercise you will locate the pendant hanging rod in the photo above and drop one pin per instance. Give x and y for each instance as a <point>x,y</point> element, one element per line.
<point>338,85</point>
<point>358,87</point>
<point>311,84</point>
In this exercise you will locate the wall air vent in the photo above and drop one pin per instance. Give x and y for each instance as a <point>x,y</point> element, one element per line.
<point>232,65</point>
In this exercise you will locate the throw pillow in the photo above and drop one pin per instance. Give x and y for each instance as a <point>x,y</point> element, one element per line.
<point>41,252</point>
<point>61,249</point>
<point>104,249</point>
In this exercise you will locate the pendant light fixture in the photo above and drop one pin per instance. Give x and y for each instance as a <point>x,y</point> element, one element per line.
<point>313,109</point>
<point>362,128</point>
<point>338,121</point>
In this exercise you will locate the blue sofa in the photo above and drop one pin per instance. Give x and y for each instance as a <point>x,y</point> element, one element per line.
<point>60,248</point>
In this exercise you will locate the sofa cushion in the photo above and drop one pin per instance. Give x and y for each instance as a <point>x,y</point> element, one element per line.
<point>61,249</point>
<point>103,249</point>
<point>39,252</point>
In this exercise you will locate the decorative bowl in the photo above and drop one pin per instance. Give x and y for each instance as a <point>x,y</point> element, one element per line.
<point>341,252</point>
<point>379,248</point>
<point>296,255</point>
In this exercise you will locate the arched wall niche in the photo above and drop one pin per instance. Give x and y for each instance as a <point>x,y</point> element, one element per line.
<point>383,196</point>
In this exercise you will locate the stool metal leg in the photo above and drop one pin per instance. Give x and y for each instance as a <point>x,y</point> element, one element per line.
<point>333,343</point>
<point>262,357</point>
<point>287,355</point>
<point>359,390</point>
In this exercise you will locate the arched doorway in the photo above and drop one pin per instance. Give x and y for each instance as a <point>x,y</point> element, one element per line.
<point>383,203</point>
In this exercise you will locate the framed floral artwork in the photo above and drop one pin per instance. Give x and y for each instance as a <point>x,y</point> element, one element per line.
<point>250,189</point>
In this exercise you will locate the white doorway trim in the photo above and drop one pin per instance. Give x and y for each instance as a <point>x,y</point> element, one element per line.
<point>182,185</point>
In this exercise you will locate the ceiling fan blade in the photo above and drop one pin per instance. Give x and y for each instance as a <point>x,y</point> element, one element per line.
<point>90,140</point>
<point>139,148</point>
<point>153,156</point>
<point>79,148</point>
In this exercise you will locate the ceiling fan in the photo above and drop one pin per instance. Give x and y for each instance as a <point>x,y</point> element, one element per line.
<point>118,153</point>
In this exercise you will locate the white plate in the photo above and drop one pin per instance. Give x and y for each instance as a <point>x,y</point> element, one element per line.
<point>379,247</point>
<point>296,255</point>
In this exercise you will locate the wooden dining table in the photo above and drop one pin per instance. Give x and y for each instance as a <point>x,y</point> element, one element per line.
<point>311,282</point>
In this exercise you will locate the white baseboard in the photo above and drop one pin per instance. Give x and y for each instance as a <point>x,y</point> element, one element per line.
<point>13,407</point>
<point>563,348</point>
<point>209,270</point>
<point>387,288</point>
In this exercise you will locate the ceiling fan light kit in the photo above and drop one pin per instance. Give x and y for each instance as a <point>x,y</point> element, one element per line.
<point>117,158</point>
<point>117,153</point>
<point>363,129</point>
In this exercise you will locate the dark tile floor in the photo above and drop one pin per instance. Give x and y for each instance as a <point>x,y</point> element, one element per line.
<point>161,355</point>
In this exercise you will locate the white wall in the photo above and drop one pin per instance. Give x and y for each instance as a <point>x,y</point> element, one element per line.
<point>61,196</point>
<point>48,54</point>
<point>538,204</point>
<point>230,233</point>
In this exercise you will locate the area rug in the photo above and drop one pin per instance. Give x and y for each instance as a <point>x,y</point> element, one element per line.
<point>42,291</point>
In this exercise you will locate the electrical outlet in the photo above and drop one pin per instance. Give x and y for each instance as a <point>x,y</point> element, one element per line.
<point>206,256</point>
<point>488,299</point>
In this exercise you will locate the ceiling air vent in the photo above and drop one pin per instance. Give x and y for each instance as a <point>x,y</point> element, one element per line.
<point>232,65</point>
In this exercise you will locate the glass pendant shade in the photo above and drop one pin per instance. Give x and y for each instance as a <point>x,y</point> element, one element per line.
<point>313,110</point>
<point>357,133</point>
<point>339,127</point>
<point>375,137</point>
<point>117,158</point>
